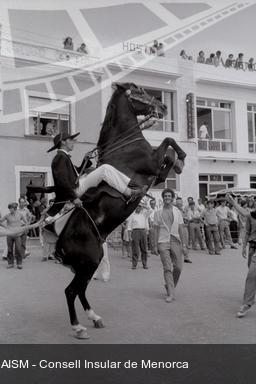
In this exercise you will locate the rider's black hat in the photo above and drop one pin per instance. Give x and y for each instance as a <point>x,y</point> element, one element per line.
<point>60,137</point>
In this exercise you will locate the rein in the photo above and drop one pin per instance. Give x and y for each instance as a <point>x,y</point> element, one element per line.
<point>123,141</point>
<point>103,147</point>
<point>94,225</point>
<point>119,144</point>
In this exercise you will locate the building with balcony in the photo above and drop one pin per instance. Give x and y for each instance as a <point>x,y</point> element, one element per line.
<point>44,90</point>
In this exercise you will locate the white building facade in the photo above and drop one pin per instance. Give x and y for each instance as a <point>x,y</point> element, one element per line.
<point>45,91</point>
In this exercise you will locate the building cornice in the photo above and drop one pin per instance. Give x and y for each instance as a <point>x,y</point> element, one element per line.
<point>148,69</point>
<point>227,82</point>
<point>232,158</point>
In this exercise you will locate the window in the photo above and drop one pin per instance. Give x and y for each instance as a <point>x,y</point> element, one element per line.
<point>37,179</point>
<point>171,181</point>
<point>214,125</point>
<point>251,115</point>
<point>168,122</point>
<point>214,182</point>
<point>253,181</point>
<point>43,121</point>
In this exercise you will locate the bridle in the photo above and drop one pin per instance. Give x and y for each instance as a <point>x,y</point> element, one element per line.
<point>136,97</point>
<point>127,139</point>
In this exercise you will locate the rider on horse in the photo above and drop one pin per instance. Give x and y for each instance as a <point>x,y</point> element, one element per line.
<point>71,184</point>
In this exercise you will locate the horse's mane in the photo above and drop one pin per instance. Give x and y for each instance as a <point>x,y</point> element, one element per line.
<point>110,118</point>
<point>111,112</point>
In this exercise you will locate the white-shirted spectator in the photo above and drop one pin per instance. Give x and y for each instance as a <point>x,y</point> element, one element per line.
<point>138,227</point>
<point>203,131</point>
<point>224,217</point>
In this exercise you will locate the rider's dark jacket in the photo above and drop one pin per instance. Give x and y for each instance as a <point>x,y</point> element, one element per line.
<point>65,176</point>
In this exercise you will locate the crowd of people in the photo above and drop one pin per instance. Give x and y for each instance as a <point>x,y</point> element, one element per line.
<point>175,228</point>
<point>169,230</point>
<point>216,59</point>
<point>208,226</point>
<point>24,220</point>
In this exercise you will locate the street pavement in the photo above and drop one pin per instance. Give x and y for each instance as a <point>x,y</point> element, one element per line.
<point>33,306</point>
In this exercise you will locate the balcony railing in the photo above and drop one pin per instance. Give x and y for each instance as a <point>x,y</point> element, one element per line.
<point>45,54</point>
<point>215,145</point>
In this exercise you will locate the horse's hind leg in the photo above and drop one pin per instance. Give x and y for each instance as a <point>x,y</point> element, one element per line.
<point>71,293</point>
<point>97,320</point>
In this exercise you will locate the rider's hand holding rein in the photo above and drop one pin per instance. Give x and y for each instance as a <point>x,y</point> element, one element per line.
<point>77,202</point>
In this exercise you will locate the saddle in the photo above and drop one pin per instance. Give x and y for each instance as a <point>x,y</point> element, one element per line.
<point>57,224</point>
<point>89,196</point>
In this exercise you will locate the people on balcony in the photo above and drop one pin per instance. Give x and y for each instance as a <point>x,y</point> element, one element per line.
<point>251,65</point>
<point>160,50</point>
<point>83,49</point>
<point>230,61</point>
<point>68,43</point>
<point>239,64</point>
<point>157,49</point>
<point>210,59</point>
<point>154,48</point>
<point>183,54</point>
<point>218,59</point>
<point>201,57</point>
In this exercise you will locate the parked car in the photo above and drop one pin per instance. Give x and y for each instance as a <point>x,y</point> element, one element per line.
<point>235,191</point>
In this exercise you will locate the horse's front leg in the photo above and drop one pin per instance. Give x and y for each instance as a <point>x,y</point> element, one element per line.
<point>166,166</point>
<point>71,293</point>
<point>166,162</point>
<point>169,142</point>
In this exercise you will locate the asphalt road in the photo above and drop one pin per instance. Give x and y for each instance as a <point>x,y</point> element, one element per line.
<point>33,306</point>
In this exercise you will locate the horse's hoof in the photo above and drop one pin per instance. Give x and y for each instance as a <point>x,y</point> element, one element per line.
<point>98,323</point>
<point>178,166</point>
<point>82,334</point>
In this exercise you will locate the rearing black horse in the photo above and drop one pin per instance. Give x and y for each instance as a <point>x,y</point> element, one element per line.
<point>122,145</point>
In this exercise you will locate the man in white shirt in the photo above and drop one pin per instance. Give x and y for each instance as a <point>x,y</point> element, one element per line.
<point>203,131</point>
<point>168,223</point>
<point>200,206</point>
<point>223,214</point>
<point>194,219</point>
<point>138,228</point>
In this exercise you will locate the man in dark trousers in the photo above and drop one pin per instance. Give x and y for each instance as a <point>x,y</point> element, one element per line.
<point>138,228</point>
<point>70,185</point>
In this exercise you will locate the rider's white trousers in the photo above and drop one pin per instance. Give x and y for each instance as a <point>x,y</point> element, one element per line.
<point>107,173</point>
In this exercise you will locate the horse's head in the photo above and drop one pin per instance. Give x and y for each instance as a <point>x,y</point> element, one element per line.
<point>141,102</point>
